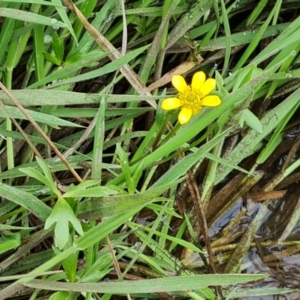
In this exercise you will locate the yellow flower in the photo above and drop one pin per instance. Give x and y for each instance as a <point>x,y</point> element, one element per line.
<point>192,98</point>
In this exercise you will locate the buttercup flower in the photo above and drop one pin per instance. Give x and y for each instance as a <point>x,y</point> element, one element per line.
<point>191,98</point>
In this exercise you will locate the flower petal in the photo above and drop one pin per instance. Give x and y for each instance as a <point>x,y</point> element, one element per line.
<point>171,103</point>
<point>211,100</point>
<point>179,83</point>
<point>185,115</point>
<point>198,80</point>
<point>208,86</point>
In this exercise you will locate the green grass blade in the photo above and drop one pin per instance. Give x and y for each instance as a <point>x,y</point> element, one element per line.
<point>167,284</point>
<point>25,16</point>
<point>26,200</point>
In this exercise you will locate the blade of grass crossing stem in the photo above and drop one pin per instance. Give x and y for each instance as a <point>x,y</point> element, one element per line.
<point>87,8</point>
<point>98,141</point>
<point>255,41</point>
<point>63,14</point>
<point>110,19</point>
<point>217,159</point>
<point>86,42</point>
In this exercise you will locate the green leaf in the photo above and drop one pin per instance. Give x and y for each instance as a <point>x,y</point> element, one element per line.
<point>47,3</point>
<point>84,190</point>
<point>62,214</point>
<point>108,68</point>
<point>63,14</point>
<point>26,16</point>
<point>46,180</point>
<point>251,120</point>
<point>56,97</point>
<point>98,191</point>
<point>33,173</point>
<point>120,204</point>
<point>244,76</point>
<point>7,29</point>
<point>26,200</point>
<point>167,284</point>
<point>14,112</point>
<point>123,160</point>
<point>61,296</point>
<point>69,263</point>
<point>99,269</point>
<point>58,48</point>
<point>9,241</point>
<point>51,59</point>
<point>48,175</point>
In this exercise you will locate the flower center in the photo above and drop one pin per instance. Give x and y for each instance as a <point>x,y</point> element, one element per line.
<point>191,97</point>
